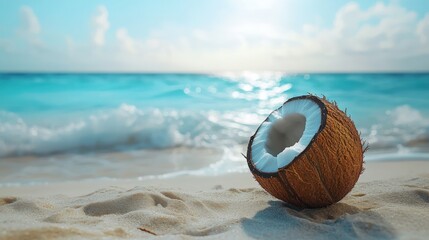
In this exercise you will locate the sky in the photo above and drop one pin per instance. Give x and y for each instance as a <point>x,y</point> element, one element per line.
<point>214,35</point>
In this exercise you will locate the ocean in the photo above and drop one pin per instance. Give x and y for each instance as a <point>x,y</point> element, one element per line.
<point>67,127</point>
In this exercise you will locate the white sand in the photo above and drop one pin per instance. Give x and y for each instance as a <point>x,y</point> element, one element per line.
<point>224,207</point>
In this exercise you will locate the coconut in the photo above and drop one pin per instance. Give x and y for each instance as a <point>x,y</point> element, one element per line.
<point>307,153</point>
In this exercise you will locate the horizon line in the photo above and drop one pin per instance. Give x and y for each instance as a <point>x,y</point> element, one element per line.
<point>210,72</point>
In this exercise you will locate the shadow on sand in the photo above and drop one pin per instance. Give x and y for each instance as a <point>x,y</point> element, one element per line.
<point>339,221</point>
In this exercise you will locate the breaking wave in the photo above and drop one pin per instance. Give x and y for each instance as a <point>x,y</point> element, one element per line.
<point>402,130</point>
<point>126,127</point>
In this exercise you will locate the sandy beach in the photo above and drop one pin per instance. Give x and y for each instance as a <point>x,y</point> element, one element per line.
<point>147,120</point>
<point>391,200</point>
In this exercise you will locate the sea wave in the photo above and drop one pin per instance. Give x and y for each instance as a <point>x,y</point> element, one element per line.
<point>400,128</point>
<point>128,127</point>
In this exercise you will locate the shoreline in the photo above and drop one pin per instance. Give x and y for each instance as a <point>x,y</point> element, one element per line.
<point>374,171</point>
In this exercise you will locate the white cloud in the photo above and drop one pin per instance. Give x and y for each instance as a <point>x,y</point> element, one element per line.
<point>200,35</point>
<point>126,42</point>
<point>356,31</point>
<point>383,37</point>
<point>101,24</point>
<point>423,29</point>
<point>30,21</point>
<point>30,28</point>
<point>152,43</point>
<point>380,38</point>
<point>346,19</point>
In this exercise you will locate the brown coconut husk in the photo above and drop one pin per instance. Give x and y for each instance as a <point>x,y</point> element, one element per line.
<point>326,170</point>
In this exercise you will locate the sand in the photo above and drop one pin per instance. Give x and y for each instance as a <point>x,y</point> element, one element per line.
<point>391,200</point>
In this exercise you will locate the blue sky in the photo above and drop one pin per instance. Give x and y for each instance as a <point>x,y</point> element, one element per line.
<point>214,35</point>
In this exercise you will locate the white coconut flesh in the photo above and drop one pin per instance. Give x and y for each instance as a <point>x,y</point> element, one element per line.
<point>285,134</point>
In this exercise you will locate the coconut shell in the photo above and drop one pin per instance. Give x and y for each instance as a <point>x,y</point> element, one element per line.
<point>326,170</point>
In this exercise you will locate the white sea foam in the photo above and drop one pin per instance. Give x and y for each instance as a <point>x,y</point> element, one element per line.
<point>128,127</point>
<point>400,127</point>
<point>124,127</point>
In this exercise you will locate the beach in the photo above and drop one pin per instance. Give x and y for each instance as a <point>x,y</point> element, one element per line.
<point>160,156</point>
<point>389,201</point>
<point>224,119</point>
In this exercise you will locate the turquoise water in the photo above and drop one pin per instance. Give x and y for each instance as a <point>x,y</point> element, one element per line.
<point>46,114</point>
<point>193,106</point>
